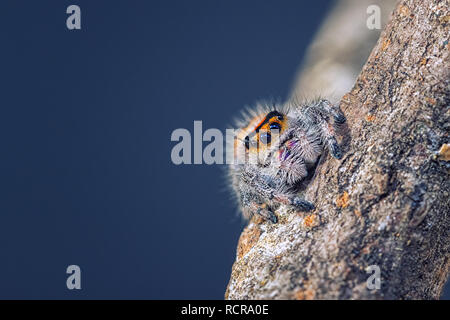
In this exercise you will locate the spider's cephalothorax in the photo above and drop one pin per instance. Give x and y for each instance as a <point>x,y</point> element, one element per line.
<point>277,148</point>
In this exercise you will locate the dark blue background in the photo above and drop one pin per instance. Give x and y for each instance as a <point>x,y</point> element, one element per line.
<point>86,119</point>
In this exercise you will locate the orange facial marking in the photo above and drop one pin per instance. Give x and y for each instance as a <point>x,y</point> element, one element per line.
<point>258,133</point>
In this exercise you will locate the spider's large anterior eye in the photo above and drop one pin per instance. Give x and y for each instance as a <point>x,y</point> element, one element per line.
<point>247,142</point>
<point>265,138</point>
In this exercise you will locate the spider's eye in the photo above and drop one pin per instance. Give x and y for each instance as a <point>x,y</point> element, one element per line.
<point>275,126</point>
<point>265,138</point>
<point>247,142</point>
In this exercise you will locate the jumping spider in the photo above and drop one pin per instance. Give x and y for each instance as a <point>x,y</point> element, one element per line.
<point>277,148</point>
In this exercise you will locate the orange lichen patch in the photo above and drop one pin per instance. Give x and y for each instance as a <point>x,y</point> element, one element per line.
<point>248,239</point>
<point>370,118</point>
<point>423,61</point>
<point>444,19</point>
<point>304,294</point>
<point>403,10</point>
<point>343,200</point>
<point>430,100</point>
<point>311,221</point>
<point>444,152</point>
<point>385,44</point>
<point>357,213</point>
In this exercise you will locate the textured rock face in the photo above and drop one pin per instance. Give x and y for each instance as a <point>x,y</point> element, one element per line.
<point>386,202</point>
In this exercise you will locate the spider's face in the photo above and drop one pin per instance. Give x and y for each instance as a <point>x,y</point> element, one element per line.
<point>263,132</point>
<point>279,144</point>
